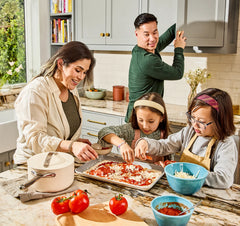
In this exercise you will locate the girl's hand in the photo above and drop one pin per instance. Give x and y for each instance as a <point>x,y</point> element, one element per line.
<point>84,141</point>
<point>83,151</point>
<point>141,149</point>
<point>127,153</point>
<point>180,40</point>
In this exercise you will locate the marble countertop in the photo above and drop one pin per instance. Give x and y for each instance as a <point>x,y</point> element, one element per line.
<point>219,207</point>
<point>176,113</point>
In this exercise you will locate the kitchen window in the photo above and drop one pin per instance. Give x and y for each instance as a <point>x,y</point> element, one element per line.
<point>12,42</point>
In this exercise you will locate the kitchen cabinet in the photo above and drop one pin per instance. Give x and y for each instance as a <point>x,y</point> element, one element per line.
<point>62,23</point>
<point>92,122</point>
<point>106,24</point>
<point>6,160</point>
<point>166,13</point>
<point>211,26</point>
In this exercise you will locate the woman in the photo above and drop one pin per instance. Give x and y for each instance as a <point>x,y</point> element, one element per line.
<point>148,119</point>
<point>207,141</point>
<point>48,109</point>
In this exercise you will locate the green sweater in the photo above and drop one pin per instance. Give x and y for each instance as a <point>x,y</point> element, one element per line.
<point>125,132</point>
<point>147,71</point>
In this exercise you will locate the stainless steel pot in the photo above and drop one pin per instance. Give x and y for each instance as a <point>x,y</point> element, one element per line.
<point>50,172</point>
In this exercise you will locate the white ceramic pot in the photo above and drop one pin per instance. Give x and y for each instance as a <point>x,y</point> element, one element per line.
<point>61,169</point>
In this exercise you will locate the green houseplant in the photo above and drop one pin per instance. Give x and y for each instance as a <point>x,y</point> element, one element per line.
<point>12,42</point>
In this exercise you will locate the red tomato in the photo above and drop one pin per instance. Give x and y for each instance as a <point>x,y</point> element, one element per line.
<point>118,204</point>
<point>79,201</point>
<point>167,162</point>
<point>60,205</point>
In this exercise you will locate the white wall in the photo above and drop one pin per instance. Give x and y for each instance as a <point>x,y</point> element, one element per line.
<point>112,69</point>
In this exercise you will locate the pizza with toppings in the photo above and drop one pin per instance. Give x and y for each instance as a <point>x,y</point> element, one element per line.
<point>123,172</point>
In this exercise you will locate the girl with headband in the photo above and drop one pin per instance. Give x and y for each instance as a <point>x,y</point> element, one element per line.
<point>206,141</point>
<point>148,119</point>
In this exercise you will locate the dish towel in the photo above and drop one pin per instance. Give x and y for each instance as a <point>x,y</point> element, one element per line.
<point>12,187</point>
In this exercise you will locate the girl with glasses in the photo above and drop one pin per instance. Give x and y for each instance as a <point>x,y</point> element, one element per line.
<point>206,141</point>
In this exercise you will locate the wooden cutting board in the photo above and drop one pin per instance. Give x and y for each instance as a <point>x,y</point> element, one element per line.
<point>99,214</point>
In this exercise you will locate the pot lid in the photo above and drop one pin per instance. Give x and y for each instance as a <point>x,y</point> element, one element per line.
<point>58,160</point>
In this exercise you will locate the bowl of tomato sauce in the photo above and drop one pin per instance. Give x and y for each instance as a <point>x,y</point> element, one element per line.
<point>167,207</point>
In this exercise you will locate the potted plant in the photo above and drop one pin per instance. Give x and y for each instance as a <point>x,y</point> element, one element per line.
<point>194,78</point>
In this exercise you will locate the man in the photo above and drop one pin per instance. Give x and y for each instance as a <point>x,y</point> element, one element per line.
<point>147,71</point>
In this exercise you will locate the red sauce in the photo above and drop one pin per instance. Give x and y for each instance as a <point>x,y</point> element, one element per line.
<point>170,211</point>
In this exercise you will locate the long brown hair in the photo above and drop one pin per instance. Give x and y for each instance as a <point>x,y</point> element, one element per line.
<point>69,53</point>
<point>223,118</point>
<point>155,97</point>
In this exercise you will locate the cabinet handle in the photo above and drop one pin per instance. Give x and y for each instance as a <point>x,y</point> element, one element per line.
<point>91,134</point>
<point>108,34</point>
<point>102,123</point>
<point>7,163</point>
<point>102,34</point>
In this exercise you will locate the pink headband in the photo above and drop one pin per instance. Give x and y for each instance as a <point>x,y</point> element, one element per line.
<point>209,100</point>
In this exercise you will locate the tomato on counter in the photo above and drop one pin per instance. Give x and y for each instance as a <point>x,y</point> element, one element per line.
<point>76,203</point>
<point>118,204</point>
<point>60,205</point>
<point>79,201</point>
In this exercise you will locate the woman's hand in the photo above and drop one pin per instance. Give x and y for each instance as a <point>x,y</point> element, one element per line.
<point>141,149</point>
<point>180,40</point>
<point>127,153</point>
<point>83,151</point>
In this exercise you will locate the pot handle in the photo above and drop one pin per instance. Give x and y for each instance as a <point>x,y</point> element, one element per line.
<point>37,177</point>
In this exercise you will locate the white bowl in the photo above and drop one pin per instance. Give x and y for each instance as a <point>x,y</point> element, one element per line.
<point>95,95</point>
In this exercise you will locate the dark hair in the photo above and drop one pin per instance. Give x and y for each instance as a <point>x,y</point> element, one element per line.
<point>143,19</point>
<point>223,118</point>
<point>69,53</point>
<point>155,97</point>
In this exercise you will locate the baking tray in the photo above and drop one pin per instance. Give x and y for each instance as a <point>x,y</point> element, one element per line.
<point>81,170</point>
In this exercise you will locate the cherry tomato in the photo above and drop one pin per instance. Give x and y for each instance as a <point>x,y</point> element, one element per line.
<point>167,162</point>
<point>118,204</point>
<point>60,205</point>
<point>79,201</point>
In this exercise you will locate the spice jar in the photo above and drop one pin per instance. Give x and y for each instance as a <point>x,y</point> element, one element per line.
<point>118,93</point>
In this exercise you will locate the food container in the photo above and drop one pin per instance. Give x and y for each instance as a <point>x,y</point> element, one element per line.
<point>118,93</point>
<point>185,186</point>
<point>102,150</point>
<point>171,201</point>
<point>98,94</point>
<point>60,169</point>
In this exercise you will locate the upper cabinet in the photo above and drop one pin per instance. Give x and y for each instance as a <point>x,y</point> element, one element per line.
<point>106,24</point>
<point>166,13</point>
<point>210,26</point>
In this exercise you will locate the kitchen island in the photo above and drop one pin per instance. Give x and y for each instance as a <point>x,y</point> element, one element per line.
<point>219,207</point>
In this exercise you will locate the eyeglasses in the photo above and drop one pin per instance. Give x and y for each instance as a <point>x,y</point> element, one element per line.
<point>201,125</point>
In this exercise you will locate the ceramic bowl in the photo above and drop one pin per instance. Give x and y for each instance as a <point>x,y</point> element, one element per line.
<point>171,201</point>
<point>95,95</point>
<point>102,150</point>
<point>185,186</point>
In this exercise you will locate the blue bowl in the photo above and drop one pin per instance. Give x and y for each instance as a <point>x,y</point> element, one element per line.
<point>185,186</point>
<point>170,201</point>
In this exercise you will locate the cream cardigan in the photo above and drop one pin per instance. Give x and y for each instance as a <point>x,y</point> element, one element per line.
<point>41,120</point>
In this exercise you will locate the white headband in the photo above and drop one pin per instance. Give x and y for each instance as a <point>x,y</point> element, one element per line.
<point>149,103</point>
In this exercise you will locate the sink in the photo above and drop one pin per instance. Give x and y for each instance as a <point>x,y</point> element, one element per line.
<point>8,130</point>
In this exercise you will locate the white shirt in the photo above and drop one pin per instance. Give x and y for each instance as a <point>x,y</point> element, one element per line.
<point>42,123</point>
